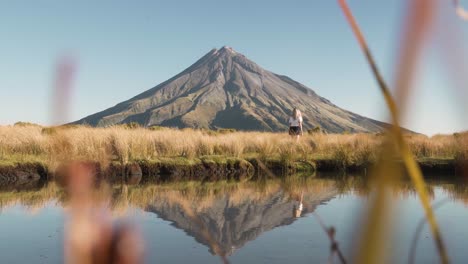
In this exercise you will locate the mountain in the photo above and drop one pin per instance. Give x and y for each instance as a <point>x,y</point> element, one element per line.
<point>224,89</point>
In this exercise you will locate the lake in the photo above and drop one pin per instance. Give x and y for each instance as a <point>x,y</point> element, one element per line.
<point>244,222</point>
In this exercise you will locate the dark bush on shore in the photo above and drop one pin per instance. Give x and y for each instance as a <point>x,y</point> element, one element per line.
<point>226,130</point>
<point>157,128</point>
<point>131,125</point>
<point>25,124</point>
<point>314,130</point>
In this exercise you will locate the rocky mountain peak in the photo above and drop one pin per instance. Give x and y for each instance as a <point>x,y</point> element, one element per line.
<point>225,89</point>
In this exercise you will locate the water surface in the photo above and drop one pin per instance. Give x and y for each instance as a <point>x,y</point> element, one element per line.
<point>248,222</point>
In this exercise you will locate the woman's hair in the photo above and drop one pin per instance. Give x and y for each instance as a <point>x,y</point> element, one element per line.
<point>295,113</point>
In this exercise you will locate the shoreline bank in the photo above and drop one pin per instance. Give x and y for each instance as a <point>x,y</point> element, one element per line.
<point>208,168</point>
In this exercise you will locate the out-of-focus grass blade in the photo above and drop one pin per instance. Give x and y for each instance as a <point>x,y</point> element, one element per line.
<point>460,11</point>
<point>367,255</point>
<point>65,73</point>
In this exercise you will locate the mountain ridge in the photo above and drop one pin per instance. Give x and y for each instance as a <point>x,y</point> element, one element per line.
<point>224,89</point>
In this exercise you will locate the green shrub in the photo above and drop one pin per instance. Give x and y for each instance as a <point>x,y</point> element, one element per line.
<point>343,156</point>
<point>131,125</point>
<point>49,130</point>
<point>226,130</point>
<point>314,130</point>
<point>156,128</point>
<point>24,124</point>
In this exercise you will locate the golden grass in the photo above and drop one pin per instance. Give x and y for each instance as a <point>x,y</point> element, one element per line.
<point>53,145</point>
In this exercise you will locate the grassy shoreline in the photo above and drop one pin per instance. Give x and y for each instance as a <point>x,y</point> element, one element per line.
<point>182,154</point>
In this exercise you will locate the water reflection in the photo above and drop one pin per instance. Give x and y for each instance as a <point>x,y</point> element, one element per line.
<point>225,216</point>
<point>294,189</point>
<point>233,219</point>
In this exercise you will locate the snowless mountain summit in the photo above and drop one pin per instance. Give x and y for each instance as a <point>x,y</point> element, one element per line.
<point>224,89</point>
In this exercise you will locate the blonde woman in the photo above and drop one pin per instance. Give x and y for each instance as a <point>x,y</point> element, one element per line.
<point>295,124</point>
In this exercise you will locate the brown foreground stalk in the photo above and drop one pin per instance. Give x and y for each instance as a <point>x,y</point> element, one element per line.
<point>421,9</point>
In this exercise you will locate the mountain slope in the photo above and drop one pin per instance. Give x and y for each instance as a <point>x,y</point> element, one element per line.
<point>224,89</point>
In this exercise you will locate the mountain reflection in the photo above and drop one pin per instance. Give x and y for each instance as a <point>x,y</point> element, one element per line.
<point>225,216</point>
<point>233,219</point>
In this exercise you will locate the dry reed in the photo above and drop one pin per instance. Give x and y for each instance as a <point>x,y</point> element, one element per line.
<point>33,143</point>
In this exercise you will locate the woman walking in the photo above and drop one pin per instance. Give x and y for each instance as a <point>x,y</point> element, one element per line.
<point>295,124</point>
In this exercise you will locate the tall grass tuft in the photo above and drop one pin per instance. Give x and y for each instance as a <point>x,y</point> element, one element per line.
<point>26,143</point>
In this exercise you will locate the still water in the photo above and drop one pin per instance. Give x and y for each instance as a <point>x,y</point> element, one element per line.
<point>248,222</point>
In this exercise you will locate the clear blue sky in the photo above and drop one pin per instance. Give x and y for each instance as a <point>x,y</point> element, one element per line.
<point>126,47</point>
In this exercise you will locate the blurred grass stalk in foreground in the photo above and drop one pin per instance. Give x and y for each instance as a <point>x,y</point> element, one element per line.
<point>91,236</point>
<point>417,27</point>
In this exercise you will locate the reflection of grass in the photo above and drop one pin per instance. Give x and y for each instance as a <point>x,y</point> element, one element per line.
<point>37,198</point>
<point>361,186</point>
<point>457,192</point>
<point>205,194</point>
<point>33,199</point>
